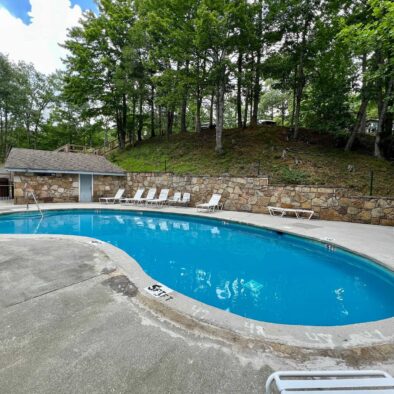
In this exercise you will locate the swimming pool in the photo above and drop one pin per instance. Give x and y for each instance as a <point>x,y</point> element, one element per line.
<point>255,273</point>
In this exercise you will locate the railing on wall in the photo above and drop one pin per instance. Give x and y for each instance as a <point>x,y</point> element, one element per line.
<point>77,149</point>
<point>109,147</point>
<point>114,144</point>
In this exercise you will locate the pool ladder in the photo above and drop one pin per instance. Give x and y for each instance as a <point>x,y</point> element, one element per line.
<point>32,194</point>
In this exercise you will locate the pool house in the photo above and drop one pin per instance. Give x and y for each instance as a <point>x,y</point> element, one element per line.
<point>62,176</point>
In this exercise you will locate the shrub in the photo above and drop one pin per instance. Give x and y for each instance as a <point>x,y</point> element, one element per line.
<point>292,176</point>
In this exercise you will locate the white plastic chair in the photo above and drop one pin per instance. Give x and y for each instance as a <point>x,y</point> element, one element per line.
<point>136,199</point>
<point>185,199</point>
<point>176,198</point>
<point>150,196</point>
<point>117,197</point>
<point>212,205</point>
<point>333,382</point>
<point>159,202</point>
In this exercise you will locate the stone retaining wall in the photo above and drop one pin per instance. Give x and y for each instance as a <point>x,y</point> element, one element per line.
<point>250,194</point>
<point>239,194</point>
<point>253,194</point>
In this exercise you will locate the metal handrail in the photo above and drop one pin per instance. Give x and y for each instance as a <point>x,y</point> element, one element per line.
<point>27,192</point>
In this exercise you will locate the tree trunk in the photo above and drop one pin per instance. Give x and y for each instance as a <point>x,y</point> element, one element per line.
<point>256,86</point>
<point>124,121</point>
<point>152,112</point>
<point>119,129</point>
<point>388,122</point>
<point>246,109</point>
<point>184,103</point>
<point>219,115</point>
<point>211,109</point>
<point>140,120</point>
<point>256,92</point>
<point>170,122</point>
<point>299,91</point>
<point>160,122</point>
<point>121,115</point>
<point>183,115</point>
<point>382,114</point>
<point>239,91</point>
<point>300,80</point>
<point>293,103</point>
<point>251,106</point>
<point>198,113</point>
<point>361,115</point>
<point>282,113</point>
<point>356,127</point>
<point>133,122</point>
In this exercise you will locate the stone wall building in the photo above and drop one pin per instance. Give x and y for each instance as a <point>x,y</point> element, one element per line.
<point>62,176</point>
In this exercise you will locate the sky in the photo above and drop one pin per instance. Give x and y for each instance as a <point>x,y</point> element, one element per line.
<point>30,30</point>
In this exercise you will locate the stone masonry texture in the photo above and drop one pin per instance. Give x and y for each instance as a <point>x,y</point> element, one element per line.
<point>250,194</point>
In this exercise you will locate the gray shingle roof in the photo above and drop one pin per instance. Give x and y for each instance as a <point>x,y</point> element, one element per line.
<point>61,162</point>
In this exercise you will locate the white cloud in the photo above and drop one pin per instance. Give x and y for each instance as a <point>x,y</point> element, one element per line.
<point>38,42</point>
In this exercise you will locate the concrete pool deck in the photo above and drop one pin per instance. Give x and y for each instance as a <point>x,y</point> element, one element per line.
<point>66,327</point>
<point>71,323</point>
<point>244,364</point>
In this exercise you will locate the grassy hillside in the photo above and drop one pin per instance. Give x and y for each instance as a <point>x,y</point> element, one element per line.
<point>315,160</point>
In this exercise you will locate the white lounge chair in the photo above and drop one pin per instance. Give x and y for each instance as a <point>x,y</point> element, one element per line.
<point>114,199</point>
<point>161,200</point>
<point>212,205</point>
<point>150,196</point>
<point>136,199</point>
<point>299,213</point>
<point>334,382</point>
<point>175,198</point>
<point>185,199</point>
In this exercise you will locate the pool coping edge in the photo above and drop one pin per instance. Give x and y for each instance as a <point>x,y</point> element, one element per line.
<point>211,320</point>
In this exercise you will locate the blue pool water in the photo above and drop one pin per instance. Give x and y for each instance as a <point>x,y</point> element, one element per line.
<point>255,273</point>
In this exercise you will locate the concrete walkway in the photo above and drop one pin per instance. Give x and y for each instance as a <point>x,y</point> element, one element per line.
<point>69,323</point>
<point>63,329</point>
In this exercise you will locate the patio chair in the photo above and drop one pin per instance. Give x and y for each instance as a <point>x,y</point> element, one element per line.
<point>334,382</point>
<point>114,199</point>
<point>136,199</point>
<point>298,212</point>
<point>159,202</point>
<point>174,199</point>
<point>212,205</point>
<point>150,196</point>
<point>185,199</point>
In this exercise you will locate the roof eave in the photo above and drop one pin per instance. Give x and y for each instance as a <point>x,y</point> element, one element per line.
<point>46,171</point>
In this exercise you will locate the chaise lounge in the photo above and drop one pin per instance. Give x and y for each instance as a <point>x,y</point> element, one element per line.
<point>159,202</point>
<point>116,198</point>
<point>212,205</point>
<point>334,382</point>
<point>134,200</point>
<point>185,200</point>
<point>176,198</point>
<point>299,213</point>
<point>150,196</point>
